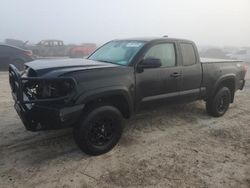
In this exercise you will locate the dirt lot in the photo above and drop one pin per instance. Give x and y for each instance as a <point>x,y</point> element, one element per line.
<point>174,146</point>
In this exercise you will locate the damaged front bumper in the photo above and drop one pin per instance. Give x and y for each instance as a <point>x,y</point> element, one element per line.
<point>43,114</point>
<point>37,117</point>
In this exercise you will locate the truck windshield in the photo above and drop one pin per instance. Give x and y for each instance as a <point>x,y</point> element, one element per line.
<point>117,52</point>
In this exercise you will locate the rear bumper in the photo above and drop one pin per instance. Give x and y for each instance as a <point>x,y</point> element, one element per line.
<point>37,117</point>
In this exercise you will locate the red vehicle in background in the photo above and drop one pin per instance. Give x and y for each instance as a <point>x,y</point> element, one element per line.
<point>82,50</point>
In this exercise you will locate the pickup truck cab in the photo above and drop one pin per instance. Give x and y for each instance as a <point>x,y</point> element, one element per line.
<point>94,95</point>
<point>50,48</point>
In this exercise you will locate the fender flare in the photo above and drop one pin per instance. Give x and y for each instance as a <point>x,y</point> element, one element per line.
<point>91,95</point>
<point>221,79</point>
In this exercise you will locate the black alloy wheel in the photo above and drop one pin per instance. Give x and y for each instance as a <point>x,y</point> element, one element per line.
<point>218,105</point>
<point>100,130</point>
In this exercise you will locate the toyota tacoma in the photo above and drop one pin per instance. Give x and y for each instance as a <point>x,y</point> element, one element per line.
<point>95,94</point>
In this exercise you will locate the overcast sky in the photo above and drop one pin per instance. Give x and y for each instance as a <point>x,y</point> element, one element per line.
<point>207,22</point>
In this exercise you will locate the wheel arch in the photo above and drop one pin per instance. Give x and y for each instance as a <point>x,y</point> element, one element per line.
<point>228,81</point>
<point>117,96</point>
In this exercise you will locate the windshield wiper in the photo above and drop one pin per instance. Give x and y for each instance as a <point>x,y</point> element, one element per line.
<point>105,61</point>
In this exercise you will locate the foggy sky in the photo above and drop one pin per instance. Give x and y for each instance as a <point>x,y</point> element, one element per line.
<point>207,22</point>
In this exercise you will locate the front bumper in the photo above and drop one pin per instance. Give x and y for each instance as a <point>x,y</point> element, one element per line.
<point>42,114</point>
<point>37,117</point>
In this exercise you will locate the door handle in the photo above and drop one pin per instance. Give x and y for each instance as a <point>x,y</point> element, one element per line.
<point>175,74</point>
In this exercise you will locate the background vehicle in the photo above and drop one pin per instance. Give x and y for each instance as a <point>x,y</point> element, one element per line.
<point>56,48</point>
<point>17,43</point>
<point>82,50</point>
<point>50,48</point>
<point>13,55</point>
<point>93,95</point>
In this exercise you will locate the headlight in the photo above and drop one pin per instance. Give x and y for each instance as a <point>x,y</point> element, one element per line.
<point>45,89</point>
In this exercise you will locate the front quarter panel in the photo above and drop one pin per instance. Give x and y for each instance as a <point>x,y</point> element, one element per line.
<point>96,83</point>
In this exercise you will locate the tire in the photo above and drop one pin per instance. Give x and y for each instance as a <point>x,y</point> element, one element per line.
<point>218,105</point>
<point>99,131</point>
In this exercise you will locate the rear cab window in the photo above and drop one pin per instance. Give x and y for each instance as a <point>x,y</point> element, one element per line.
<point>188,54</point>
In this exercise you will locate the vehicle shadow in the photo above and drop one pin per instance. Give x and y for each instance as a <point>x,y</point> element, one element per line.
<point>161,117</point>
<point>43,147</point>
<point>187,111</point>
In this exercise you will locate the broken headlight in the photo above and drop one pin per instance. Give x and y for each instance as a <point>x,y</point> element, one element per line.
<point>46,89</point>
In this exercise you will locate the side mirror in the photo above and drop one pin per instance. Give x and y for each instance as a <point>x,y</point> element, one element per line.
<point>150,63</point>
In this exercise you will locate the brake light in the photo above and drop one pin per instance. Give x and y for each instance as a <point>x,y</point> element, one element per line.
<point>28,53</point>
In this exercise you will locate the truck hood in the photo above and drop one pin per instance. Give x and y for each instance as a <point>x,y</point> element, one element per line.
<point>57,67</point>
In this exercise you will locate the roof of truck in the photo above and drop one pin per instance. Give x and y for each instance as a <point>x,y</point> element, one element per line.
<point>149,39</point>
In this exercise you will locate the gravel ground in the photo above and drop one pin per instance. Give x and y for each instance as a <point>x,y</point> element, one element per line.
<point>173,146</point>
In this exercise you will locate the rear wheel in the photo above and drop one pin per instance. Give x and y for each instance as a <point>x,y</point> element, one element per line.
<point>100,131</point>
<point>219,104</point>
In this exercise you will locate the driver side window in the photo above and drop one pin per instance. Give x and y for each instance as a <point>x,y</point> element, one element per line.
<point>165,52</point>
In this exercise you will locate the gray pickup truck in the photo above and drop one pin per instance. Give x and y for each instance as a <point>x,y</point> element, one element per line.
<point>94,95</point>
<point>51,48</point>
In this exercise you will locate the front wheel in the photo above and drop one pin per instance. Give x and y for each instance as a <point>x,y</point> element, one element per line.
<point>219,104</point>
<point>99,131</point>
